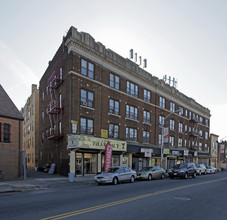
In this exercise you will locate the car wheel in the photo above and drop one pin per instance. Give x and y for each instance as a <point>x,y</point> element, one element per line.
<point>185,175</point>
<point>132,180</point>
<point>149,177</point>
<point>194,175</point>
<point>115,180</point>
<point>162,176</point>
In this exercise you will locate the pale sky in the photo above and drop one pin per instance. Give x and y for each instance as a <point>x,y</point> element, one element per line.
<point>185,39</point>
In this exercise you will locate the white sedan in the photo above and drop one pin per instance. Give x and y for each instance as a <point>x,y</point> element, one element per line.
<point>211,169</point>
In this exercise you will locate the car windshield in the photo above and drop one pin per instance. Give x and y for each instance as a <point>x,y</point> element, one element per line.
<point>145,168</point>
<point>209,167</point>
<point>180,166</point>
<point>198,166</point>
<point>111,170</point>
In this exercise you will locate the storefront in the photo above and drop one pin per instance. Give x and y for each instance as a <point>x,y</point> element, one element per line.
<point>87,154</point>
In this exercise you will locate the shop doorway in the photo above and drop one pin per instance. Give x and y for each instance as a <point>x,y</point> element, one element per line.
<point>86,163</point>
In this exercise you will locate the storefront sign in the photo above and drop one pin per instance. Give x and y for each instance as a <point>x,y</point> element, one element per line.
<point>83,141</point>
<point>166,151</point>
<point>186,152</point>
<point>72,141</point>
<point>108,156</point>
<point>147,152</point>
<point>176,152</point>
<point>104,133</point>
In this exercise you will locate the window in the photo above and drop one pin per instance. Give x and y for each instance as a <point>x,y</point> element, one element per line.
<point>190,115</point>
<point>132,89</point>
<point>114,81</point>
<point>162,102</point>
<point>131,112</point>
<point>146,117</point>
<point>87,69</point>
<point>29,114</point>
<point>43,117</point>
<point>172,107</point>
<point>146,137</point>
<point>131,134</point>
<point>181,112</point>
<point>180,142</point>
<point>207,122</point>
<point>74,128</point>
<point>6,133</point>
<point>180,128</point>
<point>159,139</point>
<point>200,133</point>
<point>114,107</point>
<point>172,124</point>
<point>87,98</point>
<point>206,135</point>
<point>59,128</point>
<point>29,128</point>
<point>60,100</point>
<point>161,120</point>
<point>186,128</point>
<point>171,141</point>
<point>206,147</point>
<point>113,131</point>
<point>186,113</point>
<point>86,126</point>
<point>185,143</point>
<point>42,96</point>
<point>201,119</point>
<point>146,95</point>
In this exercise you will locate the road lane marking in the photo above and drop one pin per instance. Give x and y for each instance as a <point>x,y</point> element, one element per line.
<point>106,205</point>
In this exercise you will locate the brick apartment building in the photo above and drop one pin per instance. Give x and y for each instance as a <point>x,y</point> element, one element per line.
<point>30,113</point>
<point>95,96</point>
<point>11,124</point>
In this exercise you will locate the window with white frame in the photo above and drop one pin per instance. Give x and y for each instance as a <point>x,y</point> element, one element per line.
<point>114,81</point>
<point>146,95</point>
<point>162,102</point>
<point>131,134</point>
<point>132,89</point>
<point>113,131</point>
<point>146,117</point>
<point>172,124</point>
<point>131,112</point>
<point>146,137</point>
<point>180,142</point>
<point>114,107</point>
<point>171,141</point>
<point>172,107</point>
<point>180,128</point>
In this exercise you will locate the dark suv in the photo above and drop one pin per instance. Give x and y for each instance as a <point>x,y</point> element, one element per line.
<point>183,170</point>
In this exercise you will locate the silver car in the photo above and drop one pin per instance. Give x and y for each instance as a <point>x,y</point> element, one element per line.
<point>150,173</point>
<point>211,169</point>
<point>115,175</point>
<point>201,169</point>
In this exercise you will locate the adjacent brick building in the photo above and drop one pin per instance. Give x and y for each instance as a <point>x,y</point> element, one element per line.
<point>30,113</point>
<point>11,147</point>
<point>95,96</point>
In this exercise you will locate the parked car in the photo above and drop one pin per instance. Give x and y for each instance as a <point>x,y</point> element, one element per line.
<point>150,173</point>
<point>115,175</point>
<point>183,170</point>
<point>211,169</point>
<point>201,169</point>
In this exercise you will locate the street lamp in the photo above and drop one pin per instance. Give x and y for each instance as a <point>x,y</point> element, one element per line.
<point>162,145</point>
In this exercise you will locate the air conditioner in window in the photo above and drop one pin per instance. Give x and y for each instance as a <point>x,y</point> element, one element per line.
<point>84,103</point>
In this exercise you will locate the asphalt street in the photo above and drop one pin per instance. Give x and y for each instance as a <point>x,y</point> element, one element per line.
<point>204,197</point>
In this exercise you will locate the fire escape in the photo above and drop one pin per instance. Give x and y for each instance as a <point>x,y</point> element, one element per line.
<point>54,108</point>
<point>194,134</point>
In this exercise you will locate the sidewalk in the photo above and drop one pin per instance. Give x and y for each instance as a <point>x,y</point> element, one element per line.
<point>40,180</point>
